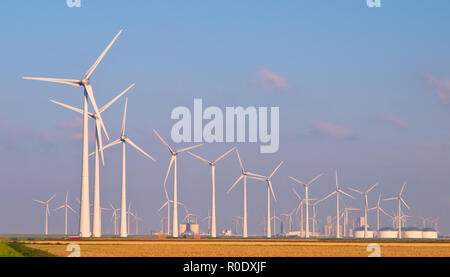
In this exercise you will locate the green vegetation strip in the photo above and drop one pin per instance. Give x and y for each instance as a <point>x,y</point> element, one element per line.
<point>7,251</point>
<point>25,251</point>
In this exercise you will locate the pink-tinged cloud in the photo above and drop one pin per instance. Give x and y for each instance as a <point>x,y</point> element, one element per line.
<point>441,87</point>
<point>394,119</point>
<point>326,128</point>
<point>268,79</point>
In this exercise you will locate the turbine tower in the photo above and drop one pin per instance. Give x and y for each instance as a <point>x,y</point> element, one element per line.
<point>213,177</point>
<point>97,220</point>
<point>125,140</point>
<point>47,211</point>
<point>85,224</point>
<point>244,175</point>
<point>173,161</point>
<point>399,211</point>
<point>366,204</point>
<point>66,206</point>
<point>269,191</point>
<point>337,191</point>
<point>306,185</point>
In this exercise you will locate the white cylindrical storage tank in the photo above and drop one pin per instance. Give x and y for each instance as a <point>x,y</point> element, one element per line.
<point>429,233</point>
<point>359,233</point>
<point>412,233</point>
<point>387,233</point>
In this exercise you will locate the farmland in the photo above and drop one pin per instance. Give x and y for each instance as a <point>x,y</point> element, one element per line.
<point>243,248</point>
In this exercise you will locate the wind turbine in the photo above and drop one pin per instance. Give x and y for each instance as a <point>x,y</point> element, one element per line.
<point>306,185</point>
<point>85,226</point>
<point>337,191</point>
<point>125,140</point>
<point>97,220</point>
<point>213,176</point>
<point>300,208</point>
<point>275,218</point>
<point>289,218</point>
<point>366,204</point>
<point>378,208</point>
<point>66,206</point>
<point>269,191</point>
<point>400,201</point>
<point>209,222</point>
<point>136,221</point>
<point>244,175</point>
<point>47,211</point>
<point>114,217</point>
<point>173,161</point>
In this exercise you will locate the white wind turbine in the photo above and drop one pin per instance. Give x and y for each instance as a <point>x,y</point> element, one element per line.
<point>244,175</point>
<point>173,161</point>
<point>269,191</point>
<point>114,217</point>
<point>306,185</point>
<point>213,177</point>
<point>97,220</point>
<point>378,209</point>
<point>399,216</point>
<point>289,218</point>
<point>209,222</point>
<point>47,211</point>
<point>66,206</point>
<point>366,204</point>
<point>337,191</point>
<point>275,218</point>
<point>136,221</point>
<point>125,140</point>
<point>300,208</point>
<point>85,226</point>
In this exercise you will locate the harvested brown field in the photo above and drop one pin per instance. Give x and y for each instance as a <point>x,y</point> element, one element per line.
<point>242,248</point>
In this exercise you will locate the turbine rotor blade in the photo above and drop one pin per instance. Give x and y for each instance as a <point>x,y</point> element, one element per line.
<point>237,181</point>
<point>100,58</point>
<point>297,181</point>
<point>275,170</point>
<point>403,201</point>
<point>98,135</point>
<point>198,157</point>
<point>403,186</point>
<point>138,148</point>
<point>296,194</point>
<point>315,178</point>
<point>71,82</point>
<point>39,201</point>
<point>271,189</point>
<point>371,188</point>
<point>69,107</point>
<point>240,161</point>
<point>189,148</point>
<point>343,192</point>
<point>167,174</point>
<point>124,119</point>
<point>355,190</point>
<point>224,155</point>
<point>163,141</point>
<point>105,107</point>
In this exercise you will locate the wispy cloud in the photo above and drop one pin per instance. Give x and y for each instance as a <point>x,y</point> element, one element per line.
<point>441,87</point>
<point>328,129</point>
<point>269,79</point>
<point>394,119</point>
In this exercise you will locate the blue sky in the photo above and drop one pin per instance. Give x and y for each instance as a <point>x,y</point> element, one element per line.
<point>364,90</point>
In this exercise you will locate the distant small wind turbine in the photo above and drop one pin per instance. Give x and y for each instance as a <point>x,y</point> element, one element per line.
<point>268,180</point>
<point>114,217</point>
<point>47,211</point>
<point>173,161</point>
<point>66,206</point>
<point>399,211</point>
<point>337,191</point>
<point>378,208</point>
<point>244,175</point>
<point>366,204</point>
<point>306,185</point>
<point>213,177</point>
